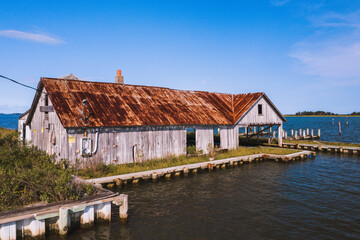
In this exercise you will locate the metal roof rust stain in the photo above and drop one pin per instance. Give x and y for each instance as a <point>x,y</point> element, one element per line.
<point>130,105</point>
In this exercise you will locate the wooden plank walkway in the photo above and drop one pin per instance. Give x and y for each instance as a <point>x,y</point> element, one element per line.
<point>185,169</point>
<point>324,148</point>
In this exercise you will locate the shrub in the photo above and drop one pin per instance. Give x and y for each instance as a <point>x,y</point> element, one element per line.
<point>29,175</point>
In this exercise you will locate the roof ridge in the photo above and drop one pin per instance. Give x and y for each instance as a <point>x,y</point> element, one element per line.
<point>133,85</point>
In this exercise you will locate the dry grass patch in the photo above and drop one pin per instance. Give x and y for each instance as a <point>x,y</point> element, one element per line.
<point>103,170</point>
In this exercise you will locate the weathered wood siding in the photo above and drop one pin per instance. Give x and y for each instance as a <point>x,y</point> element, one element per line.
<point>21,129</point>
<point>229,137</point>
<point>43,131</point>
<point>204,138</point>
<point>129,144</point>
<point>269,115</point>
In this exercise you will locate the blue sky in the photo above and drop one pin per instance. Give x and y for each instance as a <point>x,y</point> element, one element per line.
<point>305,55</point>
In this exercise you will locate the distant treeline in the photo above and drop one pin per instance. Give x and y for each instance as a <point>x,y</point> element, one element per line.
<point>323,113</point>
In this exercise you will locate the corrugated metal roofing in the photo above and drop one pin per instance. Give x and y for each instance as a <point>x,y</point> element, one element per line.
<point>113,104</point>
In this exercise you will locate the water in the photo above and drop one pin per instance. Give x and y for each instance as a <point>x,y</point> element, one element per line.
<point>349,133</point>
<point>312,199</point>
<point>9,120</point>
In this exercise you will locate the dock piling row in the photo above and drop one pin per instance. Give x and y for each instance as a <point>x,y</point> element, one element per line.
<point>60,219</point>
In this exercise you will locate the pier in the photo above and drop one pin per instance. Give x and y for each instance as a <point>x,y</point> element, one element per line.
<point>61,217</point>
<point>301,134</point>
<point>324,148</point>
<point>120,180</point>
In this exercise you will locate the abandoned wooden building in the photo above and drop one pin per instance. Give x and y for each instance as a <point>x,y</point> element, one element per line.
<point>121,123</point>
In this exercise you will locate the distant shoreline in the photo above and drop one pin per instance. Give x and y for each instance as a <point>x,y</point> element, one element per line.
<point>321,115</point>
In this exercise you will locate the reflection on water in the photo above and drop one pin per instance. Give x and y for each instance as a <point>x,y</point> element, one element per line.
<point>313,199</point>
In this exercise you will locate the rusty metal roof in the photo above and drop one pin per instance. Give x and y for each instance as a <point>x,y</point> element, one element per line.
<point>113,104</point>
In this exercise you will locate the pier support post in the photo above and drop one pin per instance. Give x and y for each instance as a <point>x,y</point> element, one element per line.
<point>8,231</point>
<point>33,228</point>
<point>280,135</point>
<point>124,206</point>
<point>87,217</point>
<point>103,211</point>
<point>64,221</point>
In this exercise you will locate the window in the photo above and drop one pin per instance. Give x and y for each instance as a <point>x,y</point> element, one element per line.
<point>260,110</point>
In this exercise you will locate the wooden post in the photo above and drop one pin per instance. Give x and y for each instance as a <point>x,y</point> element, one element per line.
<point>295,134</point>
<point>347,121</point>
<point>307,131</point>
<point>300,132</point>
<point>8,231</point>
<point>124,207</point>
<point>319,132</point>
<point>64,220</point>
<point>339,128</point>
<point>312,133</point>
<point>247,134</point>
<point>103,211</point>
<point>33,228</point>
<point>280,136</point>
<point>292,132</point>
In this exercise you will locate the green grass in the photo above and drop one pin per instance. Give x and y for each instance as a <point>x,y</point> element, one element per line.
<point>243,151</point>
<point>103,170</point>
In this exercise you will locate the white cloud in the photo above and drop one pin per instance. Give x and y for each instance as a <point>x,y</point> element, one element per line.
<point>36,37</point>
<point>279,2</point>
<point>334,49</point>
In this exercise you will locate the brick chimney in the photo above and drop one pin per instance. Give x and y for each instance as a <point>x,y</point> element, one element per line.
<point>118,78</point>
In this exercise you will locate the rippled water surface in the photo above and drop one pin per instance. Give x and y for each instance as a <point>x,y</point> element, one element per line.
<point>349,133</point>
<point>312,199</point>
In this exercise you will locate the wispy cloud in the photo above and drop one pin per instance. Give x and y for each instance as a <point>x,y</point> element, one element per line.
<point>279,2</point>
<point>36,37</point>
<point>333,51</point>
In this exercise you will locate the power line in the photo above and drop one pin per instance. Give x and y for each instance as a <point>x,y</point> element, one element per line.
<point>24,85</point>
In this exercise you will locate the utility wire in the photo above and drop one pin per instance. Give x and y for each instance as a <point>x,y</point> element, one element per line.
<point>19,83</point>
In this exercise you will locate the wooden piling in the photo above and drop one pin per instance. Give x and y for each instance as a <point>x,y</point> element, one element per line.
<point>124,206</point>
<point>87,217</point>
<point>339,128</point>
<point>103,212</point>
<point>64,220</point>
<point>8,231</point>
